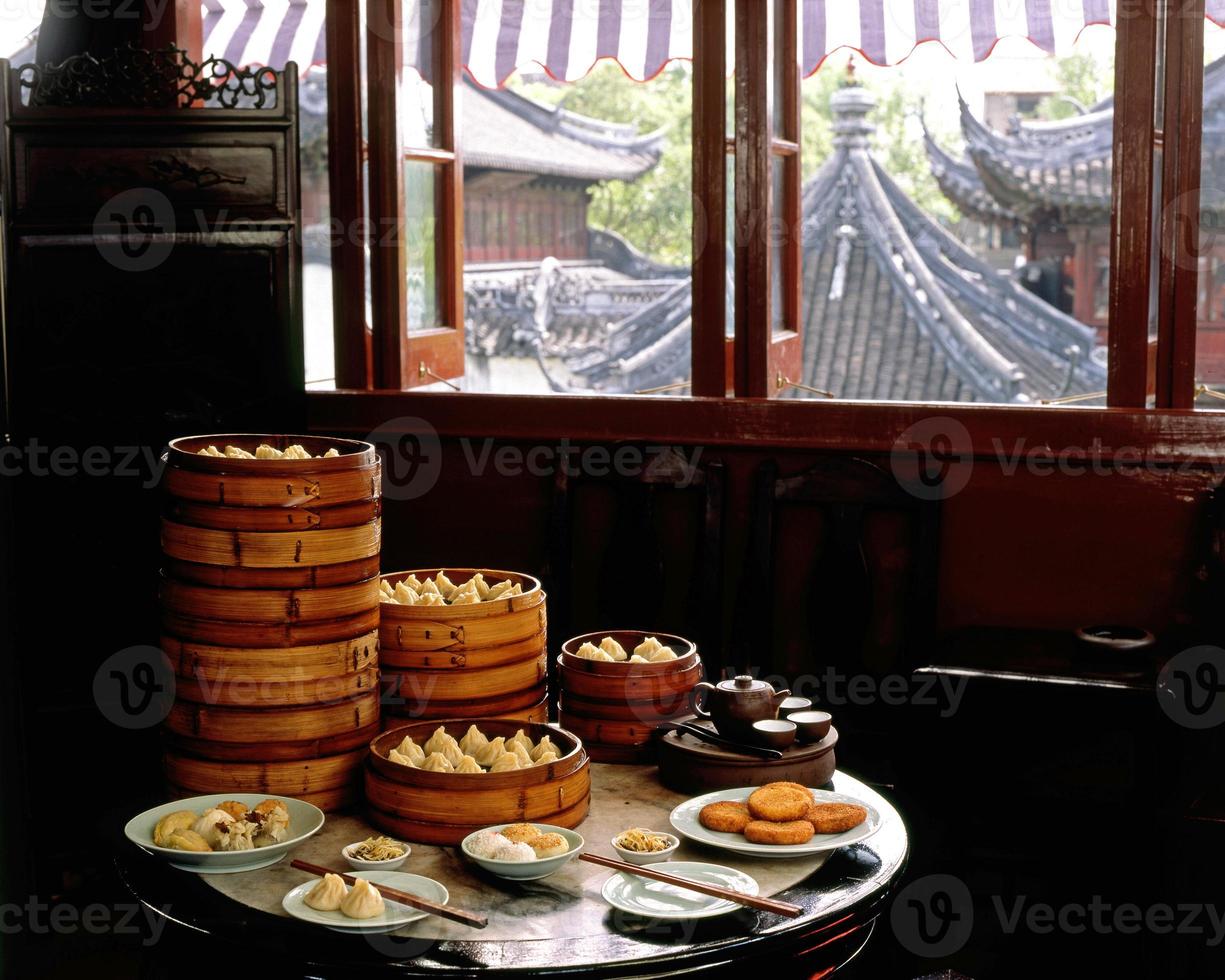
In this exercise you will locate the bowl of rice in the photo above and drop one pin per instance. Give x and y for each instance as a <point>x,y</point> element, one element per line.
<point>522,851</point>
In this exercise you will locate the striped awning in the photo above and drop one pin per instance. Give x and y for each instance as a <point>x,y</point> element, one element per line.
<point>265,32</point>
<point>567,37</point>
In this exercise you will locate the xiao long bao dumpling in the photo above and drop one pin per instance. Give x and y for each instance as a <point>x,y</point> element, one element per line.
<point>327,895</point>
<point>488,754</point>
<point>543,746</point>
<point>436,762</point>
<point>520,738</point>
<point>545,758</point>
<point>411,749</point>
<point>522,754</point>
<point>363,901</point>
<point>505,762</point>
<point>468,764</point>
<point>401,759</point>
<point>443,743</point>
<point>473,740</point>
<point>613,648</point>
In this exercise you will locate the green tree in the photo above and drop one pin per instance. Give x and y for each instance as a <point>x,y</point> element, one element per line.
<point>1083,82</point>
<point>654,212</point>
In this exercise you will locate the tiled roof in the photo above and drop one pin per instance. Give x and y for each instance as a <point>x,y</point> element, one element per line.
<point>1066,166</point>
<point>503,130</point>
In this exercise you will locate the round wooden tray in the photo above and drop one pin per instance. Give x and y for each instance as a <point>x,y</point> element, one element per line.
<point>687,765</point>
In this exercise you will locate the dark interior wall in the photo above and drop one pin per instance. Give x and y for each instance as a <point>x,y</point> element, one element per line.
<point>1025,549</point>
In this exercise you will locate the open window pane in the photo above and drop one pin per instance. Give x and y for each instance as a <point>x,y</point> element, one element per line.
<point>421,241</point>
<point>578,232</point>
<point>1210,262</point>
<point>956,218</point>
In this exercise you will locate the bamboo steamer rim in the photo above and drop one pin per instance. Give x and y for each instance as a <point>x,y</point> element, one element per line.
<point>184,454</point>
<point>569,660</point>
<point>427,779</point>
<point>532,592</point>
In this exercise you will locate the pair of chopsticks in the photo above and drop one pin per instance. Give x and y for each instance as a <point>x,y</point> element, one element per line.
<point>403,898</point>
<point>715,891</point>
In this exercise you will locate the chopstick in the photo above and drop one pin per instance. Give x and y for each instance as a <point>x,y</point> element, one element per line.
<point>646,871</point>
<point>404,898</point>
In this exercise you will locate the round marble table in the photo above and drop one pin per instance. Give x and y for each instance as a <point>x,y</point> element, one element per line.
<point>558,926</point>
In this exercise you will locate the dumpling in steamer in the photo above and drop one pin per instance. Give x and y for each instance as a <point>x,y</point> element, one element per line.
<point>411,749</point>
<point>363,901</point>
<point>468,764</point>
<point>441,742</point>
<point>489,753</point>
<point>543,746</point>
<point>445,585</point>
<point>601,655</point>
<point>437,762</point>
<point>473,740</point>
<point>406,594</point>
<point>429,588</point>
<point>545,758</point>
<point>482,587</point>
<point>588,651</point>
<point>663,653</point>
<point>498,591</point>
<point>613,648</point>
<point>647,647</point>
<point>506,761</point>
<point>521,738</point>
<point>400,759</point>
<point>412,582</point>
<point>636,659</point>
<point>522,754</point>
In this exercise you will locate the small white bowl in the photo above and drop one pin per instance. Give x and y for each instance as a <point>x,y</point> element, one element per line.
<point>357,864</point>
<point>526,870</point>
<point>647,857</point>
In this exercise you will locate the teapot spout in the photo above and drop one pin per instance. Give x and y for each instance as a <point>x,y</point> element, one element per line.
<point>780,697</point>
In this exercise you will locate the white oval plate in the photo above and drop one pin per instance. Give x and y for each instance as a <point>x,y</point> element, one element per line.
<point>305,819</point>
<point>394,915</point>
<point>526,870</point>
<point>685,822</point>
<point>657,900</point>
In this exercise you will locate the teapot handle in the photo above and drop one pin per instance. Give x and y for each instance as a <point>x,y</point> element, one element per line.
<point>695,699</point>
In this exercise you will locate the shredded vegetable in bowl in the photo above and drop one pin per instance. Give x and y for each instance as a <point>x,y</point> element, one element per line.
<point>642,841</point>
<point>378,849</point>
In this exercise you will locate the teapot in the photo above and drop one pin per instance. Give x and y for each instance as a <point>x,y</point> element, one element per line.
<point>733,705</point>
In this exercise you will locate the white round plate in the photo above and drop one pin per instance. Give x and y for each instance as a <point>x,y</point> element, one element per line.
<point>394,916</point>
<point>305,819</point>
<point>657,900</point>
<point>685,822</point>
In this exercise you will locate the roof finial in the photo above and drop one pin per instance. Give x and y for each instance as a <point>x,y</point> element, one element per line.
<point>850,81</point>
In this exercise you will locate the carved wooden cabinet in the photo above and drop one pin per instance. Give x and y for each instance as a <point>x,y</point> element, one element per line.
<point>152,288</point>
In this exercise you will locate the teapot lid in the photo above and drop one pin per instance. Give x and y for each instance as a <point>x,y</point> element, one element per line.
<point>744,683</point>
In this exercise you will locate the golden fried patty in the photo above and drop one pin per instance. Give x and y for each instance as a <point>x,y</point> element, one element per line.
<point>727,817</point>
<point>768,832</point>
<point>779,803</point>
<point>834,818</point>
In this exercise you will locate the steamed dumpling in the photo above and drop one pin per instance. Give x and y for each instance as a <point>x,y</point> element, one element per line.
<point>212,825</point>
<point>545,758</point>
<point>237,836</point>
<point>601,655</point>
<point>499,590</point>
<point>647,647</point>
<point>172,824</point>
<point>464,598</point>
<point>440,741</point>
<point>267,452</point>
<point>543,746</point>
<point>405,594</point>
<point>489,753</point>
<point>521,738</point>
<point>327,894</point>
<point>400,759</point>
<point>363,901</point>
<point>587,651</point>
<point>481,586</point>
<point>445,585</point>
<point>412,582</point>
<point>613,648</point>
<point>431,599</point>
<point>636,659</point>
<point>429,588</point>
<point>504,762</point>
<point>272,817</point>
<point>468,764</point>
<point>386,588</point>
<point>437,762</point>
<point>522,754</point>
<point>411,749</point>
<point>473,740</point>
<point>663,653</point>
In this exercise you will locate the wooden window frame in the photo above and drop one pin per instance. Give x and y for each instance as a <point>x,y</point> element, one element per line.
<point>1148,284</point>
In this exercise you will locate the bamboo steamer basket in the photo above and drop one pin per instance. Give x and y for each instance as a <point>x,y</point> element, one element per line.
<point>270,616</point>
<point>486,659</point>
<point>530,706</point>
<point>443,808</point>
<point>615,708</point>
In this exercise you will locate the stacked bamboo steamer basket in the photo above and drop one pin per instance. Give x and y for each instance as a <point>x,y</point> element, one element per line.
<point>480,660</point>
<point>445,807</point>
<point>615,708</point>
<point>270,615</point>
